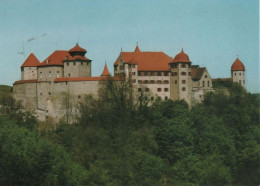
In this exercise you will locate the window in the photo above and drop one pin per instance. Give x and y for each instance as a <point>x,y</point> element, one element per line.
<point>159,89</point>
<point>203,83</point>
<point>165,73</point>
<point>145,81</point>
<point>121,67</point>
<point>79,97</point>
<point>152,73</point>
<point>240,82</point>
<point>152,98</point>
<point>235,74</point>
<point>81,63</point>
<point>69,74</point>
<point>175,81</point>
<point>159,73</point>
<point>152,81</point>
<point>74,63</point>
<point>166,98</point>
<point>159,82</point>
<point>183,81</point>
<point>49,73</point>
<point>115,68</point>
<point>133,80</point>
<point>189,74</point>
<point>133,73</point>
<point>139,82</point>
<point>183,65</point>
<point>240,74</point>
<point>133,66</point>
<point>68,64</point>
<point>183,73</point>
<point>41,94</point>
<point>147,89</point>
<point>166,89</point>
<point>40,74</point>
<point>206,76</point>
<point>208,83</point>
<point>139,73</point>
<point>139,89</point>
<point>49,93</point>
<point>146,73</point>
<point>166,82</point>
<point>173,73</point>
<point>183,89</point>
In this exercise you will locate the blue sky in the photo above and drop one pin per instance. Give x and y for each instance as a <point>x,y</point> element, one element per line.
<point>211,32</point>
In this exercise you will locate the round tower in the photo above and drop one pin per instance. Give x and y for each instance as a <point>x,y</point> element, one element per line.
<point>238,72</point>
<point>76,64</point>
<point>180,84</point>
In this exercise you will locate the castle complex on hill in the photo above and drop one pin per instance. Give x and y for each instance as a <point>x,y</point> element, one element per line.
<point>43,85</point>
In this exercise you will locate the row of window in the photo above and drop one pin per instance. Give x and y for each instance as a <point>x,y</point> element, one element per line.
<point>74,63</point>
<point>240,74</point>
<point>182,65</point>
<point>158,89</point>
<point>153,73</point>
<point>153,82</point>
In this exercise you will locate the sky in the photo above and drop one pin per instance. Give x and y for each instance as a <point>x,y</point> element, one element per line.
<point>211,32</point>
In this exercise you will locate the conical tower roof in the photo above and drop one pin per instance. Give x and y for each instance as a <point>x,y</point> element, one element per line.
<point>31,61</point>
<point>105,71</point>
<point>237,65</point>
<point>181,57</point>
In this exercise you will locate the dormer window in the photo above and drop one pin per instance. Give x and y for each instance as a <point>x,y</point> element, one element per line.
<point>47,61</point>
<point>67,57</point>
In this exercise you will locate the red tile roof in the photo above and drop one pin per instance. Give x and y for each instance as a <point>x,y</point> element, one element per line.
<point>222,79</point>
<point>26,81</point>
<point>181,57</point>
<point>237,66</point>
<point>64,79</point>
<point>105,71</point>
<point>147,61</point>
<point>31,61</point>
<point>77,48</point>
<point>56,58</point>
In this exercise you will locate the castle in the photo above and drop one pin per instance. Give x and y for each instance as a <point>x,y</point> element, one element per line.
<point>44,85</point>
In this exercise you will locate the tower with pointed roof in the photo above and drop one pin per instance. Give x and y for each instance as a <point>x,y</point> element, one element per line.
<point>238,72</point>
<point>180,79</point>
<point>29,68</point>
<point>76,64</point>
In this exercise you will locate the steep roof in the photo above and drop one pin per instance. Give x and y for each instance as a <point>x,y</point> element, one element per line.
<point>147,61</point>
<point>197,72</point>
<point>237,65</point>
<point>105,71</point>
<point>77,48</point>
<point>31,61</point>
<point>222,79</point>
<point>56,58</point>
<point>181,57</point>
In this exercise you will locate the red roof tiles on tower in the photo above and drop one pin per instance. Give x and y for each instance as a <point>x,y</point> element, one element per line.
<point>31,61</point>
<point>237,66</point>
<point>105,71</point>
<point>181,57</point>
<point>77,48</point>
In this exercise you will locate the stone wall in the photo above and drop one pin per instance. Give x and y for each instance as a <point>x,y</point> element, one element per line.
<point>28,73</point>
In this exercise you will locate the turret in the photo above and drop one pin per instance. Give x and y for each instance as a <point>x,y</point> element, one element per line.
<point>181,84</point>
<point>76,64</point>
<point>238,72</point>
<point>29,68</point>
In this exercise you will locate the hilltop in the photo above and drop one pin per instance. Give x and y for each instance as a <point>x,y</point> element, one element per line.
<point>5,90</point>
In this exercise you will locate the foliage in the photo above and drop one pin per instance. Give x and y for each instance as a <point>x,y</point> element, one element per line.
<point>119,141</point>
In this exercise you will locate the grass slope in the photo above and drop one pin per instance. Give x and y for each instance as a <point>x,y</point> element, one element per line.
<point>5,90</point>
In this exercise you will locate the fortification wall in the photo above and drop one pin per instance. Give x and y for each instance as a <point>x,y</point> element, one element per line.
<point>26,94</point>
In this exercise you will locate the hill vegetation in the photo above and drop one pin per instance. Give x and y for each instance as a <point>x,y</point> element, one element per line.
<point>116,141</point>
